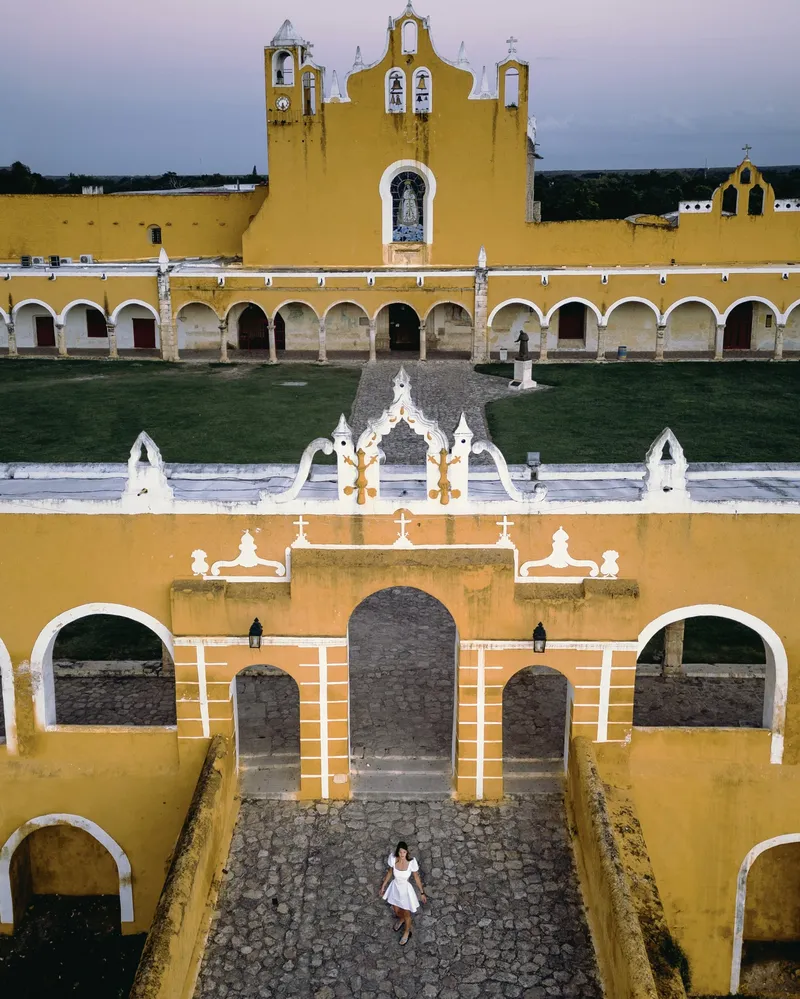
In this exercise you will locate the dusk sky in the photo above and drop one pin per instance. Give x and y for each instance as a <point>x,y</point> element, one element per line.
<point>101,86</point>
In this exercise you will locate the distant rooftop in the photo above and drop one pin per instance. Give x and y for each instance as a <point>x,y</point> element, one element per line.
<point>224,189</point>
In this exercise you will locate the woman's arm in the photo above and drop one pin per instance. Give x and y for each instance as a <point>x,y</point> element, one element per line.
<point>386,881</point>
<point>419,885</point>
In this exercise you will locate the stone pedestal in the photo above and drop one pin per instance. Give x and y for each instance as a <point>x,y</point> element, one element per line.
<point>522,376</point>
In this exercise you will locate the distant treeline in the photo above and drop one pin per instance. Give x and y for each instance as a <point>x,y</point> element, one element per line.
<point>565,195</point>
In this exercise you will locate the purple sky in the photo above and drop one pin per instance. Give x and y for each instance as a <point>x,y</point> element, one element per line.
<point>101,86</point>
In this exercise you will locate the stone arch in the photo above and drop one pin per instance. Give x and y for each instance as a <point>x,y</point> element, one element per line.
<point>693,298</point>
<point>784,317</point>
<point>515,301</point>
<point>79,301</point>
<point>453,334</point>
<point>385,192</point>
<point>341,333</point>
<point>567,301</point>
<point>293,331</point>
<point>501,338</point>
<point>63,818</point>
<point>777,682</point>
<point>750,298</point>
<point>135,301</point>
<point>4,316</point>
<point>9,704</point>
<point>33,301</point>
<point>401,333</point>
<point>283,69</point>
<point>44,705</point>
<point>741,898</point>
<point>203,335</point>
<point>625,301</point>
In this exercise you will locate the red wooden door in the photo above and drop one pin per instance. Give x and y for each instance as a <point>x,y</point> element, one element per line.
<point>144,333</point>
<point>45,331</point>
<point>739,328</point>
<point>253,329</point>
<point>572,321</point>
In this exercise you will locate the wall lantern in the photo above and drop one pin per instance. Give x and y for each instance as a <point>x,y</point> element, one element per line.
<point>539,638</point>
<point>256,631</point>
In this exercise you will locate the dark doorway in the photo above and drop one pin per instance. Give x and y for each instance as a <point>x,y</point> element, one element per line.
<point>96,324</point>
<point>572,321</point>
<point>403,328</point>
<point>144,333</point>
<point>253,329</point>
<point>268,732</point>
<point>45,331</point>
<point>280,332</point>
<point>536,726</point>
<point>739,327</point>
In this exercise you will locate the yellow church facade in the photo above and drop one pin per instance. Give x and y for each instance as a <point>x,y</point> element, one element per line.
<point>377,233</point>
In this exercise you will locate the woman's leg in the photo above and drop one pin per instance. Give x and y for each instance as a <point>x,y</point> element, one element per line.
<point>398,912</point>
<point>406,914</point>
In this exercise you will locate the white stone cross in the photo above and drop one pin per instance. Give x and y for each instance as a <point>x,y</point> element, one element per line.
<point>505,523</point>
<point>403,538</point>
<point>512,45</point>
<point>301,523</point>
<point>746,149</point>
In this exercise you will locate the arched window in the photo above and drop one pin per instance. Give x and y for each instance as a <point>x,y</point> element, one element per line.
<point>730,200</point>
<point>395,91</point>
<point>154,234</point>
<point>408,207</point>
<point>512,88</point>
<point>284,70</point>
<point>409,37</point>
<point>745,176</point>
<point>755,204</point>
<point>309,93</point>
<point>423,91</point>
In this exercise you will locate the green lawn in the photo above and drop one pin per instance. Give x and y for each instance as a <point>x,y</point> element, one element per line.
<point>711,640</point>
<point>239,413</point>
<point>747,411</point>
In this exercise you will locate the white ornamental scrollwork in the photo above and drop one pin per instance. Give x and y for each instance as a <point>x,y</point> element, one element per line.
<point>560,558</point>
<point>247,558</point>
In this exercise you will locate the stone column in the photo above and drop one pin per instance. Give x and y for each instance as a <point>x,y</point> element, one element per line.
<point>778,352</point>
<point>719,339</point>
<point>273,350</point>
<point>169,340</point>
<point>661,338</point>
<point>673,648</point>
<point>61,340</point>
<point>111,332</point>
<point>480,333</point>
<point>544,332</point>
<point>12,340</point>
<point>423,341</point>
<point>323,347</point>
<point>223,341</point>
<point>373,332</point>
<point>601,354</point>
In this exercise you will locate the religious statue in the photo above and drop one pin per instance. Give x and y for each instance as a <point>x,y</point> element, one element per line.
<point>409,210</point>
<point>524,353</point>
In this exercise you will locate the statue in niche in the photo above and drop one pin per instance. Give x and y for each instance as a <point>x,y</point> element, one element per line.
<point>524,354</point>
<point>409,210</point>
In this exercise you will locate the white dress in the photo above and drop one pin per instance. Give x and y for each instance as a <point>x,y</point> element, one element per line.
<point>400,892</point>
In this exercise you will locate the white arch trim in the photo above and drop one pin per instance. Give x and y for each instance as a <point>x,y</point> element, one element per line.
<point>395,301</point>
<point>751,298</point>
<point>741,896</point>
<point>693,298</point>
<point>4,315</point>
<point>32,301</point>
<point>345,301</point>
<point>134,301</point>
<point>574,298</point>
<point>777,683</point>
<point>78,301</point>
<point>9,711</point>
<point>295,301</point>
<point>385,191</point>
<point>44,701</point>
<point>64,819</point>
<point>785,317</point>
<point>516,301</point>
<point>447,301</point>
<point>205,305</point>
<point>632,298</point>
<point>245,302</point>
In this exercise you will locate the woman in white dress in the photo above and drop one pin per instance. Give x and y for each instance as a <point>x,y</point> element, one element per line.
<point>399,894</point>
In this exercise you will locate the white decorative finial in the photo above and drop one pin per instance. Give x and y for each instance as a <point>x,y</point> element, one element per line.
<point>358,64</point>
<point>512,45</point>
<point>343,429</point>
<point>482,258</point>
<point>163,260</point>
<point>665,466</point>
<point>462,430</point>
<point>335,94</point>
<point>462,55</point>
<point>484,91</point>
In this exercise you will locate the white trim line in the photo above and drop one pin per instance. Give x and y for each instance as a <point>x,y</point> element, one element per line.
<point>777,684</point>
<point>741,896</point>
<point>63,818</point>
<point>221,640</point>
<point>605,696</point>
<point>480,719</point>
<point>471,645</point>
<point>323,720</point>
<point>9,702</point>
<point>201,679</point>
<point>135,301</point>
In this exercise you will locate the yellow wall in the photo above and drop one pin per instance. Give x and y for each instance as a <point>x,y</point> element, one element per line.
<point>773,895</point>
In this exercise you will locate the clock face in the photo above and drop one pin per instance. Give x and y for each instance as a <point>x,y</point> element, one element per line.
<point>283,103</point>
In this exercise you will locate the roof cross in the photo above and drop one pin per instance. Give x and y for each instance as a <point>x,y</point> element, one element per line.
<point>403,540</point>
<point>746,149</point>
<point>505,523</point>
<point>301,524</point>
<point>512,45</point>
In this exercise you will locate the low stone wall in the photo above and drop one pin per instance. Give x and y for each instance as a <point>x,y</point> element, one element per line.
<point>618,939</point>
<point>174,945</point>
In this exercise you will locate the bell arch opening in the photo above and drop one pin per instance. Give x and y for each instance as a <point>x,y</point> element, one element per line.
<point>402,653</point>
<point>267,719</point>
<point>537,722</point>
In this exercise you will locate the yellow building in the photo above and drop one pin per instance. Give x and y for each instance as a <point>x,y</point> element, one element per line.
<point>356,255</point>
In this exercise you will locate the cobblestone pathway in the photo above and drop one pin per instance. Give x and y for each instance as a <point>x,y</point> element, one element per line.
<point>696,701</point>
<point>442,389</point>
<point>299,913</point>
<point>115,700</point>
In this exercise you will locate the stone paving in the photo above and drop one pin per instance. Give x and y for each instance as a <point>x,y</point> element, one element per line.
<point>693,701</point>
<point>117,700</point>
<point>299,912</point>
<point>442,389</point>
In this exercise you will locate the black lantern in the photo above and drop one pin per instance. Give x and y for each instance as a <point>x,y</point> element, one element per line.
<point>539,638</point>
<point>256,631</point>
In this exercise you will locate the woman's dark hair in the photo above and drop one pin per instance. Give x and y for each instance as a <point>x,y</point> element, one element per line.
<point>402,845</point>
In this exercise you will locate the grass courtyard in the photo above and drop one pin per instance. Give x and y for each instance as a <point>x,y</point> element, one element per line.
<point>744,411</point>
<point>236,413</point>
